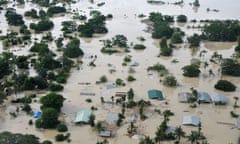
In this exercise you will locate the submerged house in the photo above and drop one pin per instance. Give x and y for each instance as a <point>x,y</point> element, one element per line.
<point>105,133</point>
<point>191,120</point>
<point>203,97</point>
<point>219,99</point>
<point>83,116</point>
<point>155,94</point>
<point>183,97</point>
<point>112,117</point>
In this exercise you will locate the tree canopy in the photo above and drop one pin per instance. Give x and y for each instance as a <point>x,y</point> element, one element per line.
<point>52,100</point>
<point>191,70</point>
<point>16,138</point>
<point>72,49</point>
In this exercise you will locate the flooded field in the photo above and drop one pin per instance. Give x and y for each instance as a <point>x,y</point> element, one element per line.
<point>126,21</point>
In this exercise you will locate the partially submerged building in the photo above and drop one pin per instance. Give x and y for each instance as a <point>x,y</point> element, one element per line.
<point>83,116</point>
<point>203,97</point>
<point>184,97</point>
<point>191,120</point>
<point>155,94</point>
<point>219,99</point>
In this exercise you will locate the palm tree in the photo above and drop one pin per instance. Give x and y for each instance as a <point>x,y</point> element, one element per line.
<point>146,140</point>
<point>179,133</point>
<point>193,137</point>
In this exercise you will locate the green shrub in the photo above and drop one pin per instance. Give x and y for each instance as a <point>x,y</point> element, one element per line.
<point>182,18</point>
<point>46,142</point>
<point>62,128</point>
<point>139,46</point>
<point>225,85</point>
<point>88,100</point>
<point>55,87</point>
<point>170,81</point>
<point>103,79</point>
<point>59,137</point>
<point>131,78</point>
<point>191,70</point>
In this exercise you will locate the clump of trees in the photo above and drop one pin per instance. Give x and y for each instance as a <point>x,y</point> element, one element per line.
<point>94,25</point>
<point>51,106</point>
<point>182,18</point>
<point>161,27</point>
<point>72,49</point>
<point>225,85</point>
<point>44,3</point>
<point>237,48</point>
<point>118,41</point>
<point>194,40</point>
<point>139,46</point>
<point>196,3</point>
<point>176,38</point>
<point>13,17</point>
<point>191,70</point>
<point>43,25</point>
<point>230,67</point>
<point>170,81</point>
<point>16,138</point>
<point>55,10</point>
<point>159,68</point>
<point>31,13</point>
<point>222,30</point>
<point>164,48</point>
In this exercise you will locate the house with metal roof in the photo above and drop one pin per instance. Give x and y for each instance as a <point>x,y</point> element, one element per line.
<point>191,120</point>
<point>83,116</point>
<point>183,97</point>
<point>203,97</point>
<point>219,99</point>
<point>155,94</point>
<point>112,117</point>
<point>105,133</point>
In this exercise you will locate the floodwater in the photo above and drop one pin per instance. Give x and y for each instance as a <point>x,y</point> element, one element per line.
<point>126,22</point>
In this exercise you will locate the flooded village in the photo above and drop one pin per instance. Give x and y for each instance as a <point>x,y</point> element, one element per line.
<point>114,72</point>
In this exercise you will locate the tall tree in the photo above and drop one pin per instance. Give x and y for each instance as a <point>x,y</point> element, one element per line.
<point>52,100</point>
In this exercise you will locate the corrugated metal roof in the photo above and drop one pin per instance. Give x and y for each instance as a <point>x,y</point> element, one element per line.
<point>105,133</point>
<point>112,116</point>
<point>219,98</point>
<point>191,120</point>
<point>204,97</point>
<point>184,96</point>
<point>83,116</point>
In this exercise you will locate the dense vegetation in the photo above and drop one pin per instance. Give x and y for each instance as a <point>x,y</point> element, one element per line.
<point>13,18</point>
<point>191,70</point>
<point>161,27</point>
<point>94,25</point>
<point>72,49</point>
<point>230,67</point>
<point>222,30</point>
<point>12,138</point>
<point>43,25</point>
<point>55,10</point>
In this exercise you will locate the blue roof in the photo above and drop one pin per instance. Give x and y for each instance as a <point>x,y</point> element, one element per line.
<point>37,114</point>
<point>155,94</point>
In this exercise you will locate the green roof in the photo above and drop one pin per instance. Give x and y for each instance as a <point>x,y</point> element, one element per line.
<point>155,94</point>
<point>83,116</point>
